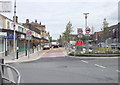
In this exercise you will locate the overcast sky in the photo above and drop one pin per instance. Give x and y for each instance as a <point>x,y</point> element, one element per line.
<point>55,14</point>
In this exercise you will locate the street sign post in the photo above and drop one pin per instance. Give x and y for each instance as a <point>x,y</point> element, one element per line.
<point>79,43</point>
<point>79,32</point>
<point>28,37</point>
<point>87,30</point>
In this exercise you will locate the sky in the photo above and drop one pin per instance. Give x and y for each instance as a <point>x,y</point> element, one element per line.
<point>55,14</point>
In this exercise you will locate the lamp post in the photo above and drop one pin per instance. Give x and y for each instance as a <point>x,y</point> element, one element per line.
<point>85,28</point>
<point>14,27</point>
<point>85,19</point>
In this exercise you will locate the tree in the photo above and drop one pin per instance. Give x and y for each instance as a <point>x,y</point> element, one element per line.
<point>60,39</point>
<point>50,39</point>
<point>68,32</point>
<point>105,30</point>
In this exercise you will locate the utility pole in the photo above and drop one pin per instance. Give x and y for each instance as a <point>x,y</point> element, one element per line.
<point>14,27</point>
<point>85,28</point>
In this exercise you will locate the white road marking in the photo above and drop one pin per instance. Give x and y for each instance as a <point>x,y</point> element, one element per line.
<point>99,66</point>
<point>84,61</point>
<point>117,70</point>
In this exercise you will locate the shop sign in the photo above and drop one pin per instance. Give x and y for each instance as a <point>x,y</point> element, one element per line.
<point>10,36</point>
<point>3,34</point>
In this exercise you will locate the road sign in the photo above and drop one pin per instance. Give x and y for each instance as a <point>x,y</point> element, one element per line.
<point>79,31</point>
<point>79,35</point>
<point>5,6</point>
<point>28,37</point>
<point>79,43</point>
<point>87,34</point>
<point>29,33</point>
<point>87,30</point>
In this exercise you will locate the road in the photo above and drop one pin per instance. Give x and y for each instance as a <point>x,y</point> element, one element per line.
<point>55,67</point>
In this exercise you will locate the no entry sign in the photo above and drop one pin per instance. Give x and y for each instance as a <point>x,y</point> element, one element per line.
<point>87,30</point>
<point>79,31</point>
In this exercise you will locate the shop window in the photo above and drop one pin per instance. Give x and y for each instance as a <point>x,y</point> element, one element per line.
<point>20,29</point>
<point>8,25</point>
<point>1,45</point>
<point>1,23</point>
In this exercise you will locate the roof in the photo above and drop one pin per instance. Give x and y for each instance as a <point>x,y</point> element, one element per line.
<point>9,19</point>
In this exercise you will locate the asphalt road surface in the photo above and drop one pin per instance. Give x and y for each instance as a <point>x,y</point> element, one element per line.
<point>55,67</point>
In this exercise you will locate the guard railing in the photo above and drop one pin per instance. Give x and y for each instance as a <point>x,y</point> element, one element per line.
<point>6,79</point>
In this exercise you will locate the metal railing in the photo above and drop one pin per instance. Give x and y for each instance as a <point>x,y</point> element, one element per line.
<point>13,69</point>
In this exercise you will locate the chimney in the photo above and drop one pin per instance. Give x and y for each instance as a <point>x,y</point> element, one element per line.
<point>16,19</point>
<point>27,21</point>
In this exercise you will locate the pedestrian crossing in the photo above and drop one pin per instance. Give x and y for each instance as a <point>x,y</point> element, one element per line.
<point>54,54</point>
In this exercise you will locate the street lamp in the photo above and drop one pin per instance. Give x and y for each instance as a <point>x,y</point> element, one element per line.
<point>86,27</point>
<point>14,26</point>
<point>85,19</point>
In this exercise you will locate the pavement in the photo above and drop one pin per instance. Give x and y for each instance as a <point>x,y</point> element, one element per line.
<point>32,57</point>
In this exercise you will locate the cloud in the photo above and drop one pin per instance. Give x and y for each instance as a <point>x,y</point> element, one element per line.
<point>55,15</point>
<point>67,0</point>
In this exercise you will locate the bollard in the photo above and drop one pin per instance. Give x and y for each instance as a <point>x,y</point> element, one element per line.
<point>17,55</point>
<point>5,53</point>
<point>25,52</point>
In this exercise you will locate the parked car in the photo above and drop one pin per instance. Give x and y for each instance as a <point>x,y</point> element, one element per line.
<point>115,45</point>
<point>102,44</point>
<point>60,45</point>
<point>46,46</point>
<point>55,45</point>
